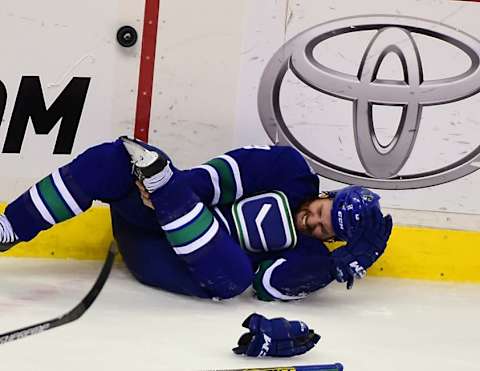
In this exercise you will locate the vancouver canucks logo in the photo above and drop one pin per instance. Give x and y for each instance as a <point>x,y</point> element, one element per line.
<point>264,222</point>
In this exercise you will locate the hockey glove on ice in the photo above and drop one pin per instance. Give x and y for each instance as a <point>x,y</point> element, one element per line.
<point>353,260</point>
<point>275,337</point>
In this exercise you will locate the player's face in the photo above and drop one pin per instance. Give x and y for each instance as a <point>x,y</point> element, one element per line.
<point>314,219</point>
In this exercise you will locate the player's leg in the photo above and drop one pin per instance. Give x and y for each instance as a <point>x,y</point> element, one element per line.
<point>149,257</point>
<point>214,259</point>
<point>102,172</point>
<point>201,241</point>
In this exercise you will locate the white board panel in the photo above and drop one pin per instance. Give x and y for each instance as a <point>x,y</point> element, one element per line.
<point>429,36</point>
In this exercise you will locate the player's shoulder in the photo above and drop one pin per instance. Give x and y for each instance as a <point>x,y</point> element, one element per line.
<point>292,158</point>
<point>287,153</point>
<point>284,156</point>
<point>272,150</point>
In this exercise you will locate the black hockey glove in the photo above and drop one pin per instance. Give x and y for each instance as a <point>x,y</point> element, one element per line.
<point>353,259</point>
<point>275,337</point>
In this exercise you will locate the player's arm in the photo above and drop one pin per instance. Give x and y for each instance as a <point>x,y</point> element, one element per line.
<point>312,267</point>
<point>300,272</point>
<point>353,259</point>
<point>248,170</point>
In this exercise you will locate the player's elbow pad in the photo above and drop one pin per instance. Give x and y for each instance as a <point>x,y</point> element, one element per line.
<point>272,284</point>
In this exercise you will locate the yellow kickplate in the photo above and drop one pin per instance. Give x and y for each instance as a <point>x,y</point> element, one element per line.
<point>418,253</point>
<point>433,254</point>
<point>86,236</point>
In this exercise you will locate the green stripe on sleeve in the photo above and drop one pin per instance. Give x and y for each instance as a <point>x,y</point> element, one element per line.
<point>191,231</point>
<point>53,200</point>
<point>228,187</point>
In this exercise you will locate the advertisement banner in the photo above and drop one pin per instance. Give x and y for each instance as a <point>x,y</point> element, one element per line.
<point>65,84</point>
<point>381,94</point>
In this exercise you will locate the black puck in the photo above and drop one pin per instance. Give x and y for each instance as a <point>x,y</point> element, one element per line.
<point>127,36</point>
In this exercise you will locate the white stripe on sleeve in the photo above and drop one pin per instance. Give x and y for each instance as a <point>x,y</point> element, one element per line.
<point>66,195</point>
<point>185,219</point>
<point>42,209</point>
<point>272,290</point>
<point>215,181</point>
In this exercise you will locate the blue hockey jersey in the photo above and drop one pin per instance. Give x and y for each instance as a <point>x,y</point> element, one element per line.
<point>253,193</point>
<point>216,228</point>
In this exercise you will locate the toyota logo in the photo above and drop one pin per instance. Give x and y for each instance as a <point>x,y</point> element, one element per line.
<point>382,163</point>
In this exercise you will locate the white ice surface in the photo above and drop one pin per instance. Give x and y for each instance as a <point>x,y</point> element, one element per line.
<point>379,325</point>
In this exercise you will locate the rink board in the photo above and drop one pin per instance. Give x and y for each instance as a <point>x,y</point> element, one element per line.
<point>237,40</point>
<point>420,253</point>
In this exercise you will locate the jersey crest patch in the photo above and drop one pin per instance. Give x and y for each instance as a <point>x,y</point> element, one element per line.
<point>264,222</point>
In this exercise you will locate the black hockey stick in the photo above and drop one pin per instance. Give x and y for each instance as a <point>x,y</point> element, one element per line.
<point>72,315</point>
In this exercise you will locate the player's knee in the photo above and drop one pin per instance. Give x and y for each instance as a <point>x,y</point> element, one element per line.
<point>103,171</point>
<point>231,286</point>
<point>110,155</point>
<point>229,292</point>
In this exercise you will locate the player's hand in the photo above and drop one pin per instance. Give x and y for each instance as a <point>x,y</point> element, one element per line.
<point>144,195</point>
<point>353,259</point>
<point>347,266</point>
<point>374,236</point>
<point>349,271</point>
<point>275,337</point>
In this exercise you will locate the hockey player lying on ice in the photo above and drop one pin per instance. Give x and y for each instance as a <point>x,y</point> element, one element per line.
<point>253,216</point>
